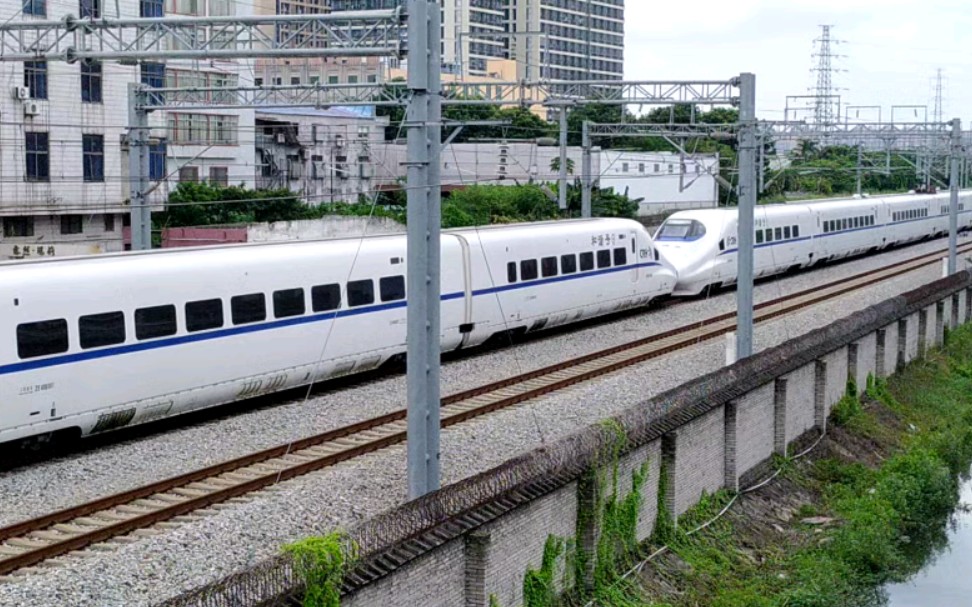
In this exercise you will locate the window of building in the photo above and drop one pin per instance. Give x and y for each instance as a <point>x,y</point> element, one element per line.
<point>295,80</point>
<point>511,272</point>
<point>157,161</point>
<point>99,330</point>
<point>604,259</point>
<point>72,224</point>
<point>352,80</point>
<point>153,74</point>
<point>247,309</point>
<point>38,157</point>
<point>90,8</point>
<point>35,78</point>
<point>205,314</point>
<point>93,149</point>
<point>17,227</point>
<point>586,261</point>
<point>361,293</point>
<point>188,173</point>
<point>528,269</point>
<point>289,302</point>
<point>392,288</point>
<point>219,176</point>
<point>548,267</point>
<point>158,321</point>
<point>42,338</point>
<point>620,256</point>
<point>150,8</point>
<point>35,7</point>
<point>258,82</point>
<point>372,78</point>
<point>568,264</point>
<point>325,298</point>
<point>332,79</point>
<point>90,81</point>
<point>109,223</point>
<point>315,80</point>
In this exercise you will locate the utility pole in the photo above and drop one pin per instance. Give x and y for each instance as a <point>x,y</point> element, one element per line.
<point>860,162</point>
<point>747,209</point>
<point>586,177</point>
<point>138,172</point>
<point>562,180</point>
<point>954,152</point>
<point>423,119</point>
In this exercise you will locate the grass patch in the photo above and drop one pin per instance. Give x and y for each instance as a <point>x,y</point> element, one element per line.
<point>886,519</point>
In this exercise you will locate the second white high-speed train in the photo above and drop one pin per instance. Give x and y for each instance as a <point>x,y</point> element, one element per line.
<point>703,244</point>
<point>97,343</point>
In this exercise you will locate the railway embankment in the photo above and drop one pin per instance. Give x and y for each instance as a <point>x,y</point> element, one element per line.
<point>869,505</point>
<point>572,515</point>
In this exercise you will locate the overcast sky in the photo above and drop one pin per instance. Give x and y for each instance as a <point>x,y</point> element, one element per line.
<point>892,48</point>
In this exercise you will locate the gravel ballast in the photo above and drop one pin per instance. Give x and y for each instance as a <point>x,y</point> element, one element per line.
<point>212,546</point>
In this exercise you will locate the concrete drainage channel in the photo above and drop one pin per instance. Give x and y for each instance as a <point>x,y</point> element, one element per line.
<point>147,509</point>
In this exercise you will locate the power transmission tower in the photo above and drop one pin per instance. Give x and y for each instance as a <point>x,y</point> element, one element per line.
<point>824,93</point>
<point>938,115</point>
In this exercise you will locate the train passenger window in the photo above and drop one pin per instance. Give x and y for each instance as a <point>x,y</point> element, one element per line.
<point>786,232</point>
<point>511,272</point>
<point>158,321</point>
<point>289,302</point>
<point>769,234</point>
<point>528,269</point>
<point>586,261</point>
<point>568,264</point>
<point>97,330</point>
<point>361,293</point>
<point>778,235</point>
<point>796,231</point>
<point>325,298</point>
<point>759,236</point>
<point>205,314</point>
<point>548,266</point>
<point>392,288</point>
<point>620,256</point>
<point>42,338</point>
<point>248,308</point>
<point>603,259</point>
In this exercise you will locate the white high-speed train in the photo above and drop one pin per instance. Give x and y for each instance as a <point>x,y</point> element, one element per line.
<point>98,343</point>
<point>703,244</point>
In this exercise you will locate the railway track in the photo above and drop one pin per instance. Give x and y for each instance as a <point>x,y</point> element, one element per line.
<point>149,509</point>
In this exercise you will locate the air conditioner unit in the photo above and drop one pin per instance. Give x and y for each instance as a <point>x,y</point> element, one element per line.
<point>281,138</point>
<point>21,92</point>
<point>31,108</point>
<point>338,141</point>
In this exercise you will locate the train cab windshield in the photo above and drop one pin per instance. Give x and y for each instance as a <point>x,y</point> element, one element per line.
<point>681,229</point>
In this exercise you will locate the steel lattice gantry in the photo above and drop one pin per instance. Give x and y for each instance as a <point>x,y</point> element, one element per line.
<point>356,33</point>
<point>523,94</point>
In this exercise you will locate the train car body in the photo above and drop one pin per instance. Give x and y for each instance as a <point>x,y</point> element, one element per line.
<point>97,343</point>
<point>703,244</point>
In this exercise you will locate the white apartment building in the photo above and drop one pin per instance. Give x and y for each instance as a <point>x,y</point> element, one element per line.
<point>552,39</point>
<point>326,155</point>
<point>64,183</point>
<point>577,39</point>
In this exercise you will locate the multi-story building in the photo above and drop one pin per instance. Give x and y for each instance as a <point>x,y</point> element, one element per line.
<point>576,39</point>
<point>325,155</point>
<point>64,183</point>
<point>552,39</point>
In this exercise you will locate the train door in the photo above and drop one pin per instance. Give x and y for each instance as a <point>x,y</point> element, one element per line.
<point>466,326</point>
<point>633,253</point>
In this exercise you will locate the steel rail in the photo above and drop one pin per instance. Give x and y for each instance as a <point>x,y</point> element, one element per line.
<point>36,540</point>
